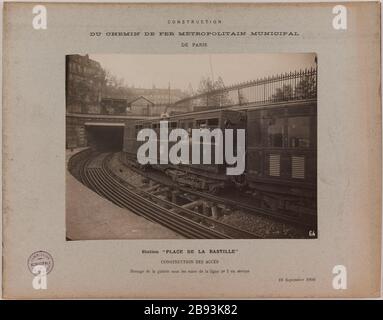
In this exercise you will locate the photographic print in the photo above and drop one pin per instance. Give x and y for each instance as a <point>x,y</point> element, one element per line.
<point>213,146</point>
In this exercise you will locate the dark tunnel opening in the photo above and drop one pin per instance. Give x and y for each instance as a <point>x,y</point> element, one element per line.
<point>105,138</point>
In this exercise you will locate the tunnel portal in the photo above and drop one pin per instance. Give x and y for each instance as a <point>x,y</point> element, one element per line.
<point>105,137</point>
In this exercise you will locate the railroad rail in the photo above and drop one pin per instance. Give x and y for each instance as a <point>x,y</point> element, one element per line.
<point>307,222</point>
<point>182,220</point>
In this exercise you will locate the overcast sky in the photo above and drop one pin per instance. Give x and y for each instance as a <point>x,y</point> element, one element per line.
<point>147,70</point>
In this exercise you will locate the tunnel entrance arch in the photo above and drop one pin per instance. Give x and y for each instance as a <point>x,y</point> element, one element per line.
<point>105,137</point>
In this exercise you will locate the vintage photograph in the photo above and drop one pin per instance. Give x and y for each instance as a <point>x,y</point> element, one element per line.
<point>139,137</point>
<point>202,146</point>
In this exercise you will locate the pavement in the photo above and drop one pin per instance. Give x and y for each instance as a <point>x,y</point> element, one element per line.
<point>91,217</point>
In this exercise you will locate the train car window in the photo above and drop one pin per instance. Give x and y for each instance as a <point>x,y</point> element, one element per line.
<point>299,132</point>
<point>275,132</point>
<point>138,127</point>
<point>186,125</point>
<point>257,132</point>
<point>201,123</point>
<point>213,122</point>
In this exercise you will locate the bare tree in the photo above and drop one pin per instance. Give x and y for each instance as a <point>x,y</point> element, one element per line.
<point>215,96</point>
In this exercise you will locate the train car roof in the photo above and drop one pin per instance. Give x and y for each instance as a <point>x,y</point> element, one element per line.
<point>238,109</point>
<point>188,114</point>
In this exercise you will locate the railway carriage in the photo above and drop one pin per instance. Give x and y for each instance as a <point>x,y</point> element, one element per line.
<point>281,144</point>
<point>209,177</point>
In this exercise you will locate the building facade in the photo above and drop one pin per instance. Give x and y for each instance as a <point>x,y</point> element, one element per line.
<point>113,106</point>
<point>159,96</point>
<point>85,83</point>
<point>140,106</point>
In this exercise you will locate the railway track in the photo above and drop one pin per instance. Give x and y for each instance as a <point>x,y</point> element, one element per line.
<point>186,222</point>
<point>305,222</point>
